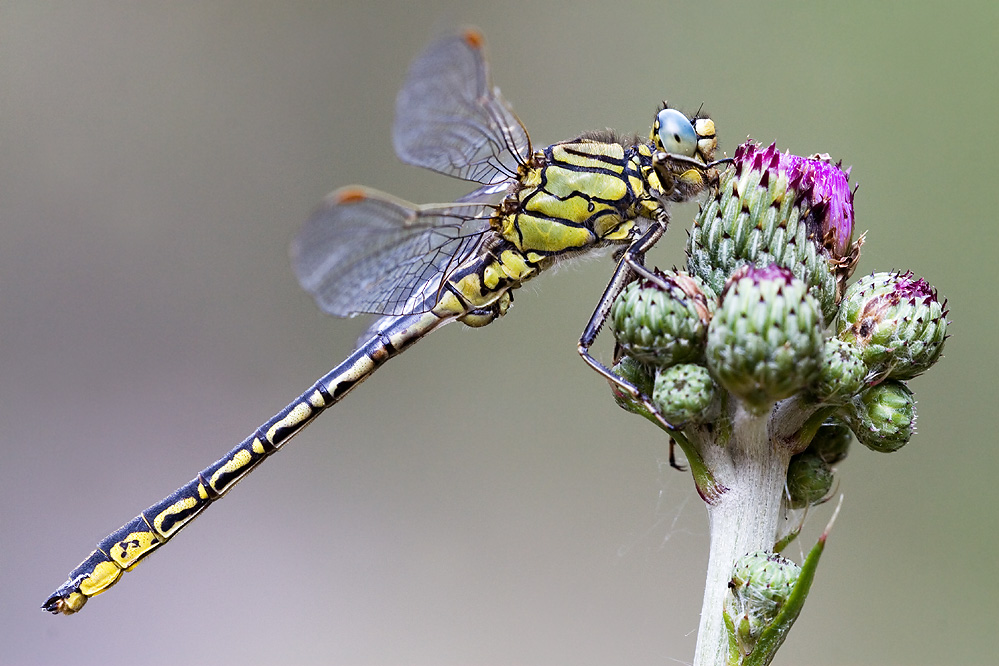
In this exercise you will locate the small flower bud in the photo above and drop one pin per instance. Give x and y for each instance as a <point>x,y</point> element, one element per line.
<point>685,393</point>
<point>809,479</point>
<point>773,207</point>
<point>831,442</point>
<point>663,323</point>
<point>896,321</point>
<point>842,373</point>
<point>640,375</point>
<point>882,417</point>
<point>765,340</point>
<point>761,584</point>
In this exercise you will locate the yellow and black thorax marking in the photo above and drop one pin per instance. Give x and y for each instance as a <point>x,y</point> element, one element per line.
<point>570,198</point>
<point>576,195</point>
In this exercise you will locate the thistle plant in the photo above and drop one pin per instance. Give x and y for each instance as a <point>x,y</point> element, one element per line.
<point>766,364</point>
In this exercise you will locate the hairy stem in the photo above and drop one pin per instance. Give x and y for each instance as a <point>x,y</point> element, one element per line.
<point>753,469</point>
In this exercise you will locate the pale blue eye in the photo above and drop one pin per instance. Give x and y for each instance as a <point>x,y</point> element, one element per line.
<point>676,133</point>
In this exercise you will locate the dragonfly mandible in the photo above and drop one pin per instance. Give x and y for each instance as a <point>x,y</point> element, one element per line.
<point>423,266</point>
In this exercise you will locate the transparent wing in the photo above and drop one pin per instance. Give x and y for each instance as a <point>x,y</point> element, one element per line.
<point>450,118</point>
<point>365,251</point>
<point>491,194</point>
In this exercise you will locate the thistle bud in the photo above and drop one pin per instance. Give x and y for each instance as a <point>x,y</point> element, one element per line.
<point>761,584</point>
<point>765,340</point>
<point>896,321</point>
<point>778,208</point>
<point>842,372</point>
<point>685,393</point>
<point>882,417</point>
<point>639,375</point>
<point>809,479</point>
<point>663,322</point>
<point>831,442</point>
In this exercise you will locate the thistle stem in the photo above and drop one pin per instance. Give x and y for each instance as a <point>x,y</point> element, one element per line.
<point>745,518</point>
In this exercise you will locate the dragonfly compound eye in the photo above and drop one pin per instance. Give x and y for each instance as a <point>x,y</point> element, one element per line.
<point>676,133</point>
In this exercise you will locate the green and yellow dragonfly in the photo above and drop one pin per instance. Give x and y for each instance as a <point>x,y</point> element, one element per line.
<point>422,266</point>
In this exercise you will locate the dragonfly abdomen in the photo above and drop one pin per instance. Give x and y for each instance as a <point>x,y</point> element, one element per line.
<point>124,548</point>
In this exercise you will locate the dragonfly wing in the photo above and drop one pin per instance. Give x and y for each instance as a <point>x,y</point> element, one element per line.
<point>451,119</point>
<point>365,251</point>
<point>491,194</point>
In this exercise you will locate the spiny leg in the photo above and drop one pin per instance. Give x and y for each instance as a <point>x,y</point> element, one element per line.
<point>630,265</point>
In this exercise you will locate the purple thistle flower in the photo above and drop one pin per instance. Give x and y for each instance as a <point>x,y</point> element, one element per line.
<point>759,274</point>
<point>817,180</point>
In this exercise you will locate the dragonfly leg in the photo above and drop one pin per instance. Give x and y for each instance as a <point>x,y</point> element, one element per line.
<point>672,457</point>
<point>629,266</point>
<point>683,177</point>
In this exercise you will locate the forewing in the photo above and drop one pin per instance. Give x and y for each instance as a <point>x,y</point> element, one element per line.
<point>365,251</point>
<point>451,119</point>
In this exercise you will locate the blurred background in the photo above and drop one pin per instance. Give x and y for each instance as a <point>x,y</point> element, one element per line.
<point>481,500</point>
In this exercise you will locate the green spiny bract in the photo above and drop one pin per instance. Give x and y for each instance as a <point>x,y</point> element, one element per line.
<point>663,322</point>
<point>775,208</point>
<point>896,321</point>
<point>685,393</point>
<point>765,340</point>
<point>883,417</point>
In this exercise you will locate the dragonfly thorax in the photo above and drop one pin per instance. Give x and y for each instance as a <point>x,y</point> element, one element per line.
<point>577,195</point>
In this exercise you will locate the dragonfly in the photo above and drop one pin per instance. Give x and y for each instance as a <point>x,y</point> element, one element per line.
<point>422,266</point>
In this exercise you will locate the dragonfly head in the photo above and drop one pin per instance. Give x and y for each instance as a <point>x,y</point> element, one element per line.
<point>676,134</point>
<point>684,148</point>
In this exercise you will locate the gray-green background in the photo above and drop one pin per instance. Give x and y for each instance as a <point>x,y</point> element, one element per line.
<point>481,500</point>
